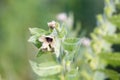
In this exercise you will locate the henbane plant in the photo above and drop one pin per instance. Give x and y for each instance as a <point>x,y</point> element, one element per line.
<point>54,43</point>
<point>64,57</point>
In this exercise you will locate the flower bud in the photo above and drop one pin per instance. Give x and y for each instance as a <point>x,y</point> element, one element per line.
<point>52,24</point>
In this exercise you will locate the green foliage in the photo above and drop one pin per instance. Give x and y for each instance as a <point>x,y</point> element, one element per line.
<point>113,75</point>
<point>38,32</point>
<point>70,43</point>
<point>34,40</point>
<point>114,39</point>
<point>62,32</point>
<point>111,58</point>
<point>46,68</point>
<point>115,20</point>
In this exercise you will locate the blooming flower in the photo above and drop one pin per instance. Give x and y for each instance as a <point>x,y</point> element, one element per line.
<point>47,43</point>
<point>52,24</point>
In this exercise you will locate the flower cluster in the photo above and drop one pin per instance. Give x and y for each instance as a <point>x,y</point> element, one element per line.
<point>48,42</point>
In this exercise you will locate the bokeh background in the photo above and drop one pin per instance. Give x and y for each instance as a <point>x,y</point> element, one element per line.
<point>16,16</point>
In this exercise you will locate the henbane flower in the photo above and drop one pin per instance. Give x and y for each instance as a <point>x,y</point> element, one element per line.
<point>52,24</point>
<point>48,43</point>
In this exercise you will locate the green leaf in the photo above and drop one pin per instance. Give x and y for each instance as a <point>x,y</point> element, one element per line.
<point>115,39</point>
<point>48,78</point>
<point>53,77</point>
<point>99,76</point>
<point>43,52</point>
<point>70,44</point>
<point>34,40</point>
<point>46,69</point>
<point>111,58</point>
<point>45,57</point>
<point>63,32</point>
<point>37,31</point>
<point>72,75</point>
<point>113,75</point>
<point>115,20</point>
<point>40,53</point>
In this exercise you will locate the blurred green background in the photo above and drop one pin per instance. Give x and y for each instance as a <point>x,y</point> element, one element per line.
<point>16,16</point>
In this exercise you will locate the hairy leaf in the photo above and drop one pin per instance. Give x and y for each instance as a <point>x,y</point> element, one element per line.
<point>113,75</point>
<point>115,20</point>
<point>115,39</point>
<point>72,75</point>
<point>63,32</point>
<point>70,44</point>
<point>37,31</point>
<point>111,58</point>
<point>46,69</point>
<point>34,40</point>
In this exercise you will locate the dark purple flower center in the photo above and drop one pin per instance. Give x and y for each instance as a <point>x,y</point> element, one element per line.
<point>48,39</point>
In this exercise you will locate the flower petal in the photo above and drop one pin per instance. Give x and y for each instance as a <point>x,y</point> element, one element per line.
<point>42,39</point>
